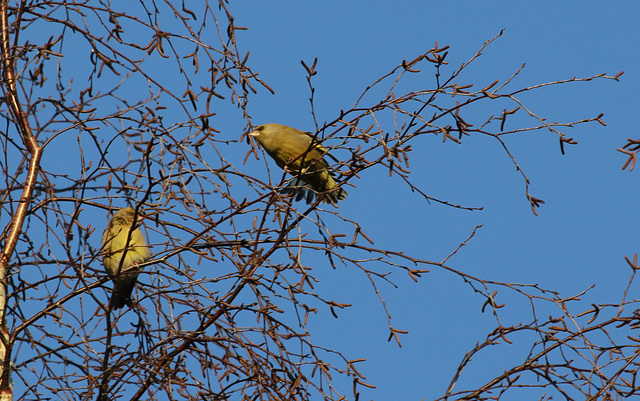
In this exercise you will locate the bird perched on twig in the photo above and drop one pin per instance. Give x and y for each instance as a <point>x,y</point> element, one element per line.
<point>123,247</point>
<point>301,155</point>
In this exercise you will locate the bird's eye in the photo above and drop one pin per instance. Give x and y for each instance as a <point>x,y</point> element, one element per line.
<point>260,128</point>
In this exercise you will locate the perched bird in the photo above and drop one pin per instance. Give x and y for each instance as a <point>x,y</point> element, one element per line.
<point>123,247</point>
<point>299,154</point>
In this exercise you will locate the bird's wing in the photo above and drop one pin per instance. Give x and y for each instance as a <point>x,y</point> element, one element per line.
<point>318,145</point>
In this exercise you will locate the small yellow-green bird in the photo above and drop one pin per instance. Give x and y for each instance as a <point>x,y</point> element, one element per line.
<point>123,247</point>
<point>299,154</point>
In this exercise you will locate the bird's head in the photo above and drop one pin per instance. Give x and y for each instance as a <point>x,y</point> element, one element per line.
<point>126,216</point>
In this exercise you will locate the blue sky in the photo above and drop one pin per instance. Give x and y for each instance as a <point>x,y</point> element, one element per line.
<point>580,236</point>
<point>582,232</point>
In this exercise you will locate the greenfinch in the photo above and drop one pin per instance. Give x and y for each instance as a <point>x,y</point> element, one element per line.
<point>123,248</point>
<point>301,155</point>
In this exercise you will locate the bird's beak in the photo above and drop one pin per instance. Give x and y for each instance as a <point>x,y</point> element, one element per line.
<point>254,134</point>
